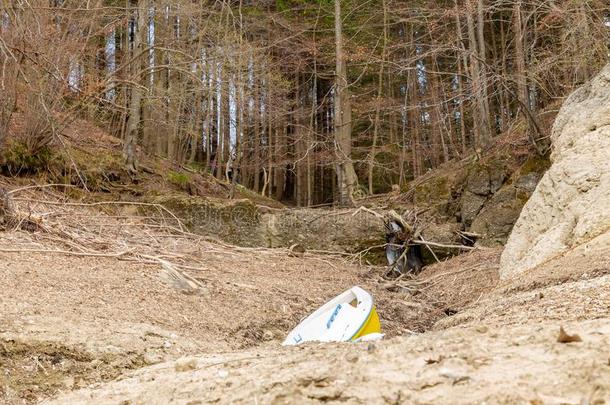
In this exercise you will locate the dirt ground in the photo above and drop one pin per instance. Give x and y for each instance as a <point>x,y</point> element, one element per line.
<point>97,326</point>
<point>498,365</point>
<point>72,321</point>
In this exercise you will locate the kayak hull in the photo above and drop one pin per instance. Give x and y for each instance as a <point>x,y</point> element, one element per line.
<point>347,317</point>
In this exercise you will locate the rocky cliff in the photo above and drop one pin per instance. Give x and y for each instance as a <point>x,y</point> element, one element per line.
<point>571,204</point>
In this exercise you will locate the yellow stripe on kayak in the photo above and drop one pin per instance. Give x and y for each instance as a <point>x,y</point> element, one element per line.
<point>371,325</point>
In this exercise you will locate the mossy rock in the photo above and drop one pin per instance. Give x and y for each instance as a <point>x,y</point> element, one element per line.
<point>535,164</point>
<point>435,191</point>
<point>471,205</point>
<point>234,221</point>
<point>98,170</point>
<point>443,233</point>
<point>179,179</point>
<point>18,159</point>
<point>486,178</point>
<point>498,216</point>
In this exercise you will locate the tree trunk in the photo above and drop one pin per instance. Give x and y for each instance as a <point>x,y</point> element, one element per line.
<point>462,73</point>
<point>311,133</point>
<point>482,135</point>
<point>133,122</point>
<point>373,153</point>
<point>256,163</point>
<point>347,179</point>
<point>280,171</point>
<point>483,67</point>
<point>521,74</point>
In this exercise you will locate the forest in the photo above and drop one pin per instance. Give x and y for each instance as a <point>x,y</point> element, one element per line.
<point>310,102</point>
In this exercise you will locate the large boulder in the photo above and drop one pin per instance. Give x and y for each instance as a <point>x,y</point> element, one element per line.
<point>571,204</point>
<point>495,220</point>
<point>484,196</point>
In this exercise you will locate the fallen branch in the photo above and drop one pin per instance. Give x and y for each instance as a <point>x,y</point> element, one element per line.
<point>370,211</point>
<point>20,189</point>
<point>397,217</point>
<point>64,252</point>
<point>179,279</point>
<point>100,203</point>
<point>469,234</point>
<point>442,245</point>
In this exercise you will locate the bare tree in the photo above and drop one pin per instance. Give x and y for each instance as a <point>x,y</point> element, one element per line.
<point>346,175</point>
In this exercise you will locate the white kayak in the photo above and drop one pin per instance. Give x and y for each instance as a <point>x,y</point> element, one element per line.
<point>347,317</point>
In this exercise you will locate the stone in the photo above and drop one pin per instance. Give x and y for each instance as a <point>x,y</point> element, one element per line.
<point>528,182</point>
<point>69,382</point>
<point>443,233</point>
<point>496,180</point>
<point>471,205</point>
<point>186,365</point>
<point>296,250</point>
<point>351,357</point>
<point>96,363</point>
<point>234,221</point>
<point>479,181</point>
<point>495,220</point>
<point>151,358</point>
<point>571,204</point>
<point>268,335</point>
<point>435,191</point>
<point>453,374</point>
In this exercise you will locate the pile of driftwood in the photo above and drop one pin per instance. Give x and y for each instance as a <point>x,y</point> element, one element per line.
<point>38,219</point>
<point>404,241</point>
<point>12,217</point>
<point>56,225</point>
<point>150,233</point>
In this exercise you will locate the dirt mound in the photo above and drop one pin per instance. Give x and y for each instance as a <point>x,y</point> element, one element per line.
<point>502,348</point>
<point>441,291</point>
<point>519,364</point>
<point>34,370</point>
<point>569,288</point>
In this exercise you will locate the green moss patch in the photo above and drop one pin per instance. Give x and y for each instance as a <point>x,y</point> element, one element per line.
<point>179,179</point>
<point>18,159</point>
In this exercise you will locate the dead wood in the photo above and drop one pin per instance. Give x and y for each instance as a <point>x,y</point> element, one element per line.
<point>180,280</point>
<point>81,229</point>
<point>442,245</point>
<point>13,217</point>
<point>6,208</point>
